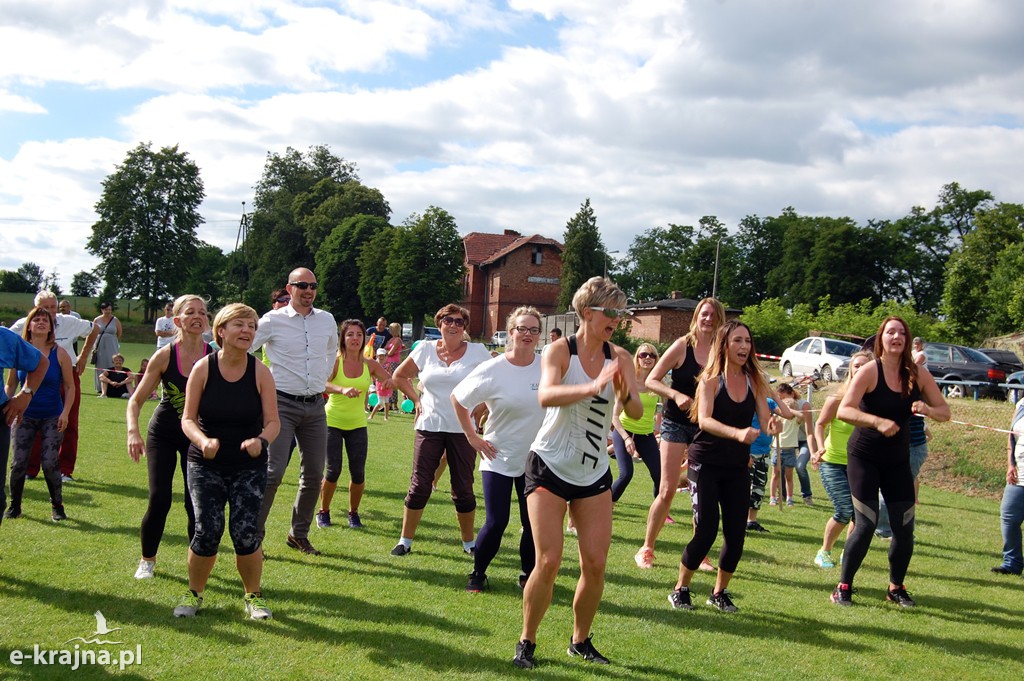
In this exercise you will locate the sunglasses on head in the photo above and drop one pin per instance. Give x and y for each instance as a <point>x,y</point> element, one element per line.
<point>456,321</point>
<point>646,355</point>
<point>284,299</point>
<point>303,285</point>
<point>612,312</point>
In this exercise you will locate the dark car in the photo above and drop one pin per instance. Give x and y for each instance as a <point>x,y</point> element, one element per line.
<point>947,362</point>
<point>1007,360</point>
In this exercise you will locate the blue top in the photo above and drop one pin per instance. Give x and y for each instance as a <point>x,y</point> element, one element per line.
<point>763,444</point>
<point>15,353</point>
<point>46,402</point>
<point>917,435</point>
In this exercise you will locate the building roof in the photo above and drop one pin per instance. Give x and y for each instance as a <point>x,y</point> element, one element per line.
<point>522,241</point>
<point>480,246</point>
<point>688,304</point>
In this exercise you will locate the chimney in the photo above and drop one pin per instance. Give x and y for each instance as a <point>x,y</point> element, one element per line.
<point>677,295</point>
<point>512,232</point>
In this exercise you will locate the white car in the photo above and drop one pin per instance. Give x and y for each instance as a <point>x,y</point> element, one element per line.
<point>499,338</point>
<point>823,355</point>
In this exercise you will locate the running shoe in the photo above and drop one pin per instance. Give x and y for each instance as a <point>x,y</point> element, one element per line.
<point>323,519</point>
<point>808,501</point>
<point>722,601</point>
<point>754,526</point>
<point>57,514</point>
<point>524,655</point>
<point>823,559</point>
<point>680,599</point>
<point>789,501</point>
<point>669,520</point>
<point>587,651</point>
<point>900,597</point>
<point>189,605</point>
<point>354,523</point>
<point>256,607</point>
<point>66,478</point>
<point>1003,570</point>
<point>145,570</point>
<point>12,512</point>
<point>476,583</point>
<point>523,579</point>
<point>469,550</point>
<point>400,550</point>
<point>644,558</point>
<point>773,502</point>
<point>842,595</point>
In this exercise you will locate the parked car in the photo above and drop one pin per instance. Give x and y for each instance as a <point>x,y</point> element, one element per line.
<point>843,369</point>
<point>947,362</point>
<point>431,333</point>
<point>499,338</point>
<point>1007,360</point>
<point>1014,394</point>
<point>823,355</point>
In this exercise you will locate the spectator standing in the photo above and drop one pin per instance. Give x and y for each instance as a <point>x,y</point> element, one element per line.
<point>164,329</point>
<point>67,330</point>
<point>301,342</point>
<point>1011,511</point>
<point>65,308</point>
<point>108,342</point>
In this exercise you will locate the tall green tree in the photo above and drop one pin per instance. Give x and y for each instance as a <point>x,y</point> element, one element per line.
<point>372,265</point>
<point>84,284</point>
<point>646,272</point>
<point>13,282</point>
<point>584,255</point>
<point>33,274</point>
<point>149,213</point>
<point>425,268</point>
<point>759,248</point>
<point>695,276</point>
<point>208,276</point>
<point>337,265</point>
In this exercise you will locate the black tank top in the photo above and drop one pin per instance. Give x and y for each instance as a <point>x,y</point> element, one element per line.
<point>166,419</point>
<point>868,443</point>
<point>232,413</point>
<point>711,450</point>
<point>684,380</point>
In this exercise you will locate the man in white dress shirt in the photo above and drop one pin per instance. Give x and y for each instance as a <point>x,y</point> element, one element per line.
<point>66,330</point>
<point>301,343</point>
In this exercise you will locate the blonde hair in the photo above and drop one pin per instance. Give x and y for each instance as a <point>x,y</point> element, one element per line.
<point>598,292</point>
<point>178,308</point>
<point>639,349</point>
<point>521,311</point>
<point>718,319</point>
<point>717,360</point>
<point>845,385</point>
<point>230,313</point>
<point>396,329</point>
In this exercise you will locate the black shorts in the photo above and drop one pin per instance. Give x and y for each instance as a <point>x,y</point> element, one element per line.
<point>538,475</point>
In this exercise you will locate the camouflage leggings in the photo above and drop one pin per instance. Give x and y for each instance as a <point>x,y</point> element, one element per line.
<point>758,481</point>
<point>24,434</point>
<point>242,491</point>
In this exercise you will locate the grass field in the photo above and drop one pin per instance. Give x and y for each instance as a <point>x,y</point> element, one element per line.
<point>357,613</point>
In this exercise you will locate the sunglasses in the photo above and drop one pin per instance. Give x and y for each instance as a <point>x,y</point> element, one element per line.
<point>531,330</point>
<point>646,355</point>
<point>303,285</point>
<point>284,299</point>
<point>613,312</point>
<point>453,321</point>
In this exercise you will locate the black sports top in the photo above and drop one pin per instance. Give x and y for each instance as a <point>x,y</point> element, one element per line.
<point>166,419</point>
<point>684,380</point>
<point>712,450</point>
<point>232,413</point>
<point>868,443</point>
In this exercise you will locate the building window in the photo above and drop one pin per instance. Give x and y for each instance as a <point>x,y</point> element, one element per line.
<point>538,256</point>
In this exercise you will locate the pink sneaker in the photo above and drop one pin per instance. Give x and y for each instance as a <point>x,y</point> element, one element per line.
<point>644,558</point>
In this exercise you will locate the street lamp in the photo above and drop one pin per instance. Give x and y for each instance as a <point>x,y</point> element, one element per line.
<point>606,254</point>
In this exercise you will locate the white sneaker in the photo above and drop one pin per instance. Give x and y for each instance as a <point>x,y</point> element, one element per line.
<point>189,605</point>
<point>145,570</point>
<point>256,607</point>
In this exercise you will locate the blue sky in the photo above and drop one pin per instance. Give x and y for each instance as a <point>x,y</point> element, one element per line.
<point>510,114</point>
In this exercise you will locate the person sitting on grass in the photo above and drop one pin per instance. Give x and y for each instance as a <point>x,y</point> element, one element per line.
<point>117,381</point>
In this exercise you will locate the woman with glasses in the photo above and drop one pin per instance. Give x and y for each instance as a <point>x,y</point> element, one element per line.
<point>581,379</point>
<point>634,438</point>
<point>507,385</point>
<point>440,366</point>
<point>685,358</point>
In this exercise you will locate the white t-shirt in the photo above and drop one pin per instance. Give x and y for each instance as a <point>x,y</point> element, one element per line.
<point>573,439</point>
<point>164,324</point>
<point>438,380</point>
<point>510,393</point>
<point>791,428</point>
<point>67,330</point>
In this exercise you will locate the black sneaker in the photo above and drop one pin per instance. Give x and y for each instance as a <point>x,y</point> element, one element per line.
<point>302,545</point>
<point>680,599</point>
<point>900,597</point>
<point>400,550</point>
<point>842,595</point>
<point>722,601</point>
<point>523,579</point>
<point>476,583</point>
<point>57,514</point>
<point>524,655</point>
<point>354,522</point>
<point>1003,570</point>
<point>13,512</point>
<point>754,526</point>
<point>587,651</point>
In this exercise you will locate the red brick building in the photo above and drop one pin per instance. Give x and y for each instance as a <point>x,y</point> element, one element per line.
<point>665,320</point>
<point>504,271</point>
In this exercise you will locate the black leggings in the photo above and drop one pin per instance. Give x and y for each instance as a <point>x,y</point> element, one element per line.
<point>497,496</point>
<point>896,483</point>
<point>163,456</point>
<point>647,448</point>
<point>718,492</point>
<point>356,444</point>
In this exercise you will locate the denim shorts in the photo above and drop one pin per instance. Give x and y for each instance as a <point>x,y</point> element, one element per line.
<point>918,454</point>
<point>837,486</point>
<point>674,431</point>
<point>788,457</point>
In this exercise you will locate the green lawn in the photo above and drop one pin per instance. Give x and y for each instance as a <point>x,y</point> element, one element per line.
<point>358,613</point>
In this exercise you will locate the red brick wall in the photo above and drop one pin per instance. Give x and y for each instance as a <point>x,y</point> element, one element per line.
<point>515,271</point>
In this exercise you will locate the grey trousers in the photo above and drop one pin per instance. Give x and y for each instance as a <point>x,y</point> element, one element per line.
<point>306,422</point>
